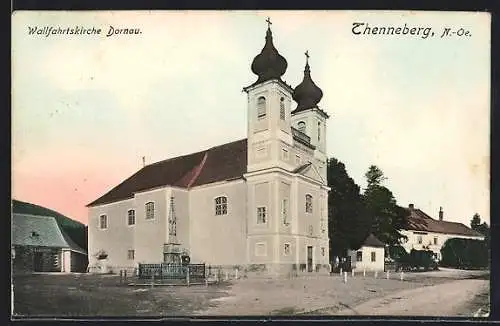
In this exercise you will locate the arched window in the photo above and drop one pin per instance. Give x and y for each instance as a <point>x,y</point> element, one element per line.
<point>221,205</point>
<point>150,210</point>
<point>309,204</point>
<point>282,109</point>
<point>261,107</point>
<point>302,126</point>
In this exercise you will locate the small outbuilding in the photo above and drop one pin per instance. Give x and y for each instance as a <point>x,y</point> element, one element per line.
<point>370,256</point>
<point>39,245</point>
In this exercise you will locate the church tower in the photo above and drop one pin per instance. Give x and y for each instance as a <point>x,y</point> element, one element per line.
<point>309,118</point>
<point>269,101</point>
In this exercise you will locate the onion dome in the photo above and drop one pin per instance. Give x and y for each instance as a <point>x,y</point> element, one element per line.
<point>269,64</point>
<point>307,94</point>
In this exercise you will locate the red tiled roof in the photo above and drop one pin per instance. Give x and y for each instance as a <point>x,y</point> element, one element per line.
<point>220,163</point>
<point>419,221</point>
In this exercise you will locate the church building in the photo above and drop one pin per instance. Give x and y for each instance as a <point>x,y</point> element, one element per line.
<point>255,203</point>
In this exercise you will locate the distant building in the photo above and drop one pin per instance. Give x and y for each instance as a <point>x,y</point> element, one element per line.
<point>259,202</point>
<point>39,245</point>
<point>370,256</point>
<point>424,232</point>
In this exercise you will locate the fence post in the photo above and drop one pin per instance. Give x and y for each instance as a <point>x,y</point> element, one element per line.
<point>402,275</point>
<point>121,276</point>
<point>352,272</point>
<point>376,274</point>
<point>227,276</point>
<point>187,275</point>
<point>236,273</point>
<point>364,272</point>
<point>345,277</point>
<point>341,272</point>
<point>387,274</point>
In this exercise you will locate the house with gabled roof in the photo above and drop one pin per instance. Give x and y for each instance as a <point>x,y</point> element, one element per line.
<point>39,245</point>
<point>370,256</point>
<point>259,202</point>
<point>425,232</point>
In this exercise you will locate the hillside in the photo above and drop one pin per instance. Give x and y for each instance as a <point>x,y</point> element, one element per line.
<point>75,230</point>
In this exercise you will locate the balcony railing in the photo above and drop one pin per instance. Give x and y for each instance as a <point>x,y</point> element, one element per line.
<point>302,137</point>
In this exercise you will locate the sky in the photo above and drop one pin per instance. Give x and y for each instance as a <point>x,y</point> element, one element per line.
<point>86,108</point>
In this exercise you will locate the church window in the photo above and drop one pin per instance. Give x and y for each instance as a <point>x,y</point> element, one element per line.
<point>374,256</point>
<point>286,249</point>
<point>261,215</point>
<point>359,255</point>
<point>284,154</point>
<point>130,254</point>
<point>282,109</point>
<point>131,217</point>
<point>261,107</point>
<point>319,131</point>
<point>221,205</point>
<point>284,210</point>
<point>150,210</point>
<point>309,204</point>
<point>103,222</point>
<point>302,126</point>
<point>419,239</point>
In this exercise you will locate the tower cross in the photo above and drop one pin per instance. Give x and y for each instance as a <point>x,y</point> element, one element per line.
<point>307,55</point>
<point>268,20</point>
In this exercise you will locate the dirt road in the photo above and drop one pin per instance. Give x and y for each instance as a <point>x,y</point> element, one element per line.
<point>448,299</point>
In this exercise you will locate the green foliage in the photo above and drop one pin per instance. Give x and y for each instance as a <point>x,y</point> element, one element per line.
<point>397,252</point>
<point>348,224</point>
<point>387,218</point>
<point>75,230</point>
<point>465,253</point>
<point>475,222</point>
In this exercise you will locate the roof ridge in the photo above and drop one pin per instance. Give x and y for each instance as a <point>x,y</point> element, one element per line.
<point>34,215</point>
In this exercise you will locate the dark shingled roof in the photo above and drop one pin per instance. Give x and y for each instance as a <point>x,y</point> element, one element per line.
<point>419,221</point>
<point>373,241</point>
<point>220,163</point>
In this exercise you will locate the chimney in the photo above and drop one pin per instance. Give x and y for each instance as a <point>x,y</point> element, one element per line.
<point>440,213</point>
<point>143,161</point>
<point>411,206</point>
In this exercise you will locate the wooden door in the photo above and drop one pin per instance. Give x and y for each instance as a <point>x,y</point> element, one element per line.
<point>309,258</point>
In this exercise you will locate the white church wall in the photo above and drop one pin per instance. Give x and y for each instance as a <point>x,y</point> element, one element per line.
<point>117,238</point>
<point>218,239</point>
<point>150,234</point>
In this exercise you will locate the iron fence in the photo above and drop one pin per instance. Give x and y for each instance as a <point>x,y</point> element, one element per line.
<point>171,271</point>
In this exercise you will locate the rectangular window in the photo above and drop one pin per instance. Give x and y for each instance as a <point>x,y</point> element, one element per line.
<point>435,240</point>
<point>284,210</point>
<point>261,215</point>
<point>419,239</point>
<point>221,206</point>
<point>103,222</point>
<point>260,249</point>
<point>150,210</point>
<point>131,217</point>
<point>373,256</point>
<point>286,249</point>
<point>284,154</point>
<point>359,255</point>
<point>130,254</point>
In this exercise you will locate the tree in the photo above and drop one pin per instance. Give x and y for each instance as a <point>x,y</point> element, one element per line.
<point>348,224</point>
<point>387,218</point>
<point>475,222</point>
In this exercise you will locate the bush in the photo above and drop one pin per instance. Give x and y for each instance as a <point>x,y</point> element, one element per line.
<point>465,253</point>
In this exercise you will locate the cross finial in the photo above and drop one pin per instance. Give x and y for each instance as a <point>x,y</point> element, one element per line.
<point>268,20</point>
<point>307,54</point>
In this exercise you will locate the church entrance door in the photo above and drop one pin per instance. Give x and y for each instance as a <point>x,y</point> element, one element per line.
<point>309,258</point>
